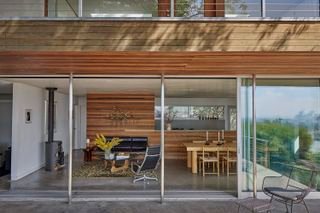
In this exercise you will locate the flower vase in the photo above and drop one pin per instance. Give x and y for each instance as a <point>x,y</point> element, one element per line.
<point>108,155</point>
<point>169,126</point>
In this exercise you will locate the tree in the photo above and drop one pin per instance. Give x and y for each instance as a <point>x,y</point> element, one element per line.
<point>305,142</point>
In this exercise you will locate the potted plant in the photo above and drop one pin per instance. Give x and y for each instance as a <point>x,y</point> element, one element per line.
<point>106,146</point>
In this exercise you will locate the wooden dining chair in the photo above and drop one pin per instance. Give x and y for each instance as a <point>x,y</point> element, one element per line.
<point>199,154</point>
<point>212,158</point>
<point>230,159</point>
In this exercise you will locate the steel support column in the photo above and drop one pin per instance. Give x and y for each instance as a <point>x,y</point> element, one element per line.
<point>162,138</point>
<point>254,135</point>
<point>70,138</point>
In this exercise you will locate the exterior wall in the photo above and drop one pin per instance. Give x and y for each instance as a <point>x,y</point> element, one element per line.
<point>156,63</point>
<point>162,47</point>
<point>158,36</point>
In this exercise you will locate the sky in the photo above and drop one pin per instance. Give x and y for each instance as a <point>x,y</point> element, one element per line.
<point>286,102</point>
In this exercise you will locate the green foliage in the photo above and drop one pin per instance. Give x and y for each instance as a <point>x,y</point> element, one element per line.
<point>182,8</point>
<point>278,138</point>
<point>236,6</point>
<point>305,142</point>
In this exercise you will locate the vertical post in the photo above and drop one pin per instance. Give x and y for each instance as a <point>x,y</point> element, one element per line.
<point>254,132</point>
<point>162,139</point>
<point>172,8</point>
<point>263,9</point>
<point>70,137</point>
<point>56,8</point>
<point>46,8</point>
<point>240,140</point>
<point>80,8</point>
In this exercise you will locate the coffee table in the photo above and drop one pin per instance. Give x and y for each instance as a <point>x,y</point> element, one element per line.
<point>114,167</point>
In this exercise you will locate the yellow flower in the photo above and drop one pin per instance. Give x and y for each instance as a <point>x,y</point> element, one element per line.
<point>103,144</point>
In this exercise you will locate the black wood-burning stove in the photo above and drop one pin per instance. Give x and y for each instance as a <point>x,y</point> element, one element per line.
<point>54,151</point>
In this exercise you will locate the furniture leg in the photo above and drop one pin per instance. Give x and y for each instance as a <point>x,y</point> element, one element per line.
<point>203,168</point>
<point>114,169</point>
<point>222,163</point>
<point>228,168</point>
<point>305,205</point>
<point>194,162</point>
<point>189,157</point>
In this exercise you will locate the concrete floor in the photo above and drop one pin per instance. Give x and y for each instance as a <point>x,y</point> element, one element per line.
<point>139,207</point>
<point>177,178</point>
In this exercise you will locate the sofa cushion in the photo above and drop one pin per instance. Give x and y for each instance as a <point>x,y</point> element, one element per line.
<point>124,146</point>
<point>139,144</point>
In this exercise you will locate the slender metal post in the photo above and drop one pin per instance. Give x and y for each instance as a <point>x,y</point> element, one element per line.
<point>80,8</point>
<point>56,8</point>
<point>70,137</point>
<point>254,132</point>
<point>263,9</point>
<point>162,139</point>
<point>172,8</point>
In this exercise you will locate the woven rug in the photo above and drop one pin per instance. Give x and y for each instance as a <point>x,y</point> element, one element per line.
<point>97,168</point>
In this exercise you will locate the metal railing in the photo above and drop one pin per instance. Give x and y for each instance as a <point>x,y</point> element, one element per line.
<point>188,9</point>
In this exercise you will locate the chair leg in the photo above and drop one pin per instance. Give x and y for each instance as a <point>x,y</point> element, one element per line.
<point>213,167</point>
<point>271,199</point>
<point>239,208</point>
<point>228,167</point>
<point>218,168</point>
<point>287,210</point>
<point>305,205</point>
<point>203,169</point>
<point>222,163</point>
<point>291,206</point>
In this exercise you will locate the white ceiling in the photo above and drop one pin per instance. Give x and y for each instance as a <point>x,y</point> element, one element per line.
<point>216,88</point>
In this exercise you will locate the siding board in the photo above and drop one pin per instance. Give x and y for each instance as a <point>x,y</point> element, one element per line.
<point>159,36</point>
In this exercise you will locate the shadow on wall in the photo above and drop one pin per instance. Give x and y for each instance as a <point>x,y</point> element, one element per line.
<point>157,36</point>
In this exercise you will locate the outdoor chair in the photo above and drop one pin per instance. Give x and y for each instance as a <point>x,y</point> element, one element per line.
<point>288,191</point>
<point>146,169</point>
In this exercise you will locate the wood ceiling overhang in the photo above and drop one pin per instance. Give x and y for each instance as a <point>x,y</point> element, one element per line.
<point>153,63</point>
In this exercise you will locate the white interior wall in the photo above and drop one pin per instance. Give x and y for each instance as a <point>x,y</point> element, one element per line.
<point>27,138</point>
<point>28,149</point>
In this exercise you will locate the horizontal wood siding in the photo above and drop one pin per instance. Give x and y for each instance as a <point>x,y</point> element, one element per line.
<point>159,36</point>
<point>146,63</point>
<point>140,108</point>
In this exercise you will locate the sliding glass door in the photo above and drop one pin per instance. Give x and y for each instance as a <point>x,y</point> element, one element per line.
<point>288,129</point>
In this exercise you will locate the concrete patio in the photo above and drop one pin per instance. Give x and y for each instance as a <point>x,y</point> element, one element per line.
<point>139,207</point>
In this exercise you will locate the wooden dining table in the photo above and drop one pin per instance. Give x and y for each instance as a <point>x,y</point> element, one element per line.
<point>193,148</point>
